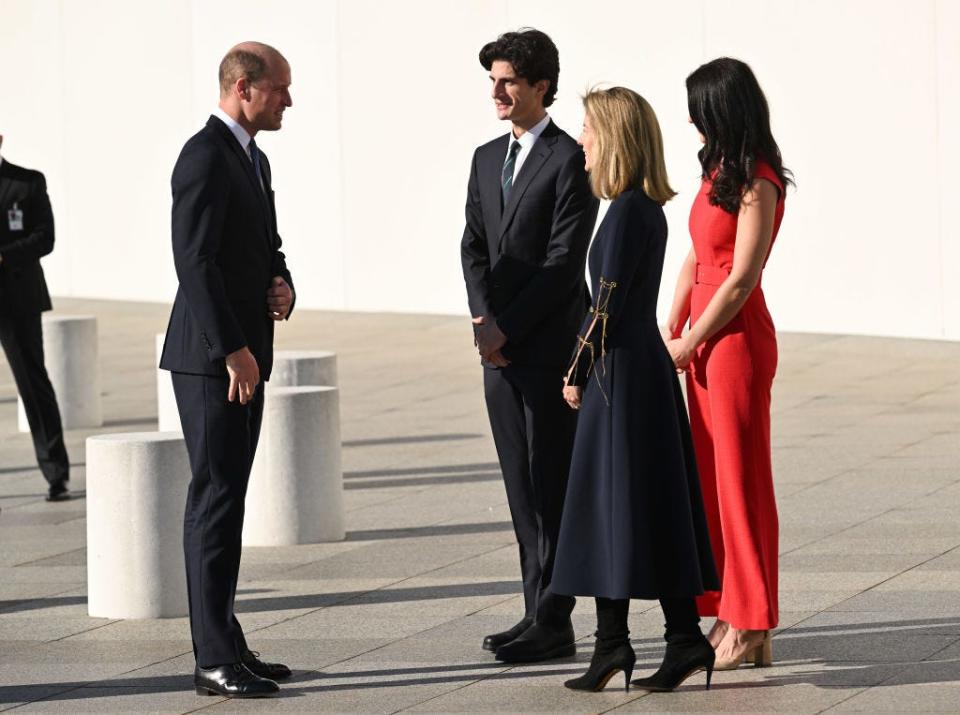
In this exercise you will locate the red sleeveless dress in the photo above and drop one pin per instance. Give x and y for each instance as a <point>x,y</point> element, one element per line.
<point>728,391</point>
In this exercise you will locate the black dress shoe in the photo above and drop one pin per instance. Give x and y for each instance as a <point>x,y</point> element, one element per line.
<point>58,492</point>
<point>495,640</point>
<point>273,671</point>
<point>686,654</point>
<point>539,642</point>
<point>232,681</point>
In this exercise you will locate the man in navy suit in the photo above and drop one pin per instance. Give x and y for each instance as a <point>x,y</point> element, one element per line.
<point>529,218</point>
<point>233,285</point>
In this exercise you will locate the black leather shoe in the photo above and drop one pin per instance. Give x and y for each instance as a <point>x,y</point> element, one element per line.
<point>273,671</point>
<point>495,640</point>
<point>539,642</point>
<point>58,492</point>
<point>232,681</point>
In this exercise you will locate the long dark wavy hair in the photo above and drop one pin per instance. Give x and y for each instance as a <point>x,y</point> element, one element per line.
<point>729,109</point>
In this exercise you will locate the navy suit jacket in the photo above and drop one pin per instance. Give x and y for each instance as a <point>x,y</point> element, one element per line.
<point>539,295</point>
<point>226,251</point>
<point>23,290</point>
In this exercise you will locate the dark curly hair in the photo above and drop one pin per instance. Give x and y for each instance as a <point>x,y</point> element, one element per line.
<point>532,55</point>
<point>729,109</point>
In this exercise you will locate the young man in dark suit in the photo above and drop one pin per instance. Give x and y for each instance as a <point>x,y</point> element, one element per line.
<point>26,235</point>
<point>234,284</point>
<point>530,214</point>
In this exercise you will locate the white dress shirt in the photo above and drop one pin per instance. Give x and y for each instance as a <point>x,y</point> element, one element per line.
<point>239,132</point>
<point>526,141</point>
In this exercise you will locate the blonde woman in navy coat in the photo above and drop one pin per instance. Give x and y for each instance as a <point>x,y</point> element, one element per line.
<point>633,523</point>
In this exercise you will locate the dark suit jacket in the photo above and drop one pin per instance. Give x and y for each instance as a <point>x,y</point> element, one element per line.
<point>544,231</point>
<point>23,290</point>
<point>226,251</point>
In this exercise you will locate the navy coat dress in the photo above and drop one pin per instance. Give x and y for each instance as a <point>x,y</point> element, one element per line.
<point>633,521</point>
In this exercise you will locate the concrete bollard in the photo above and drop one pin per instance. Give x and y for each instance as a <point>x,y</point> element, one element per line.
<point>136,491</point>
<point>72,359</point>
<point>168,417</point>
<point>304,367</point>
<point>295,494</point>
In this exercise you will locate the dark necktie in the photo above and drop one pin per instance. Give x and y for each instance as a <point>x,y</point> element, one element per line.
<point>255,158</point>
<point>506,176</point>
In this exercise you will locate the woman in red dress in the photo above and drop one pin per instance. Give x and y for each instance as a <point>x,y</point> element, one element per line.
<point>730,351</point>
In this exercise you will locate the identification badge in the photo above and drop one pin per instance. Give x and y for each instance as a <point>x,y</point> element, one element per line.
<point>15,219</point>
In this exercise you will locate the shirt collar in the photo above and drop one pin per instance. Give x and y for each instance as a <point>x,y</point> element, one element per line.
<point>529,137</point>
<point>234,126</point>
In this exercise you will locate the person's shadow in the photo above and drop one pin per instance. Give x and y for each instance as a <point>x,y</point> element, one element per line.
<point>859,654</point>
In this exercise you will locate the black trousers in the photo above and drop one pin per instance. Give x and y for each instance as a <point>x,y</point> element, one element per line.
<point>533,428</point>
<point>221,439</point>
<point>22,338</point>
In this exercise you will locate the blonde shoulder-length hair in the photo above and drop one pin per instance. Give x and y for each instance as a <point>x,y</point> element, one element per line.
<point>628,148</point>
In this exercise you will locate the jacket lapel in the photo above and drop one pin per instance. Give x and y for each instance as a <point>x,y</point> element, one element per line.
<point>5,184</point>
<point>245,164</point>
<point>531,167</point>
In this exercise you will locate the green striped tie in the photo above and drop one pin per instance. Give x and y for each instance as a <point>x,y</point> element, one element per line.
<point>506,176</point>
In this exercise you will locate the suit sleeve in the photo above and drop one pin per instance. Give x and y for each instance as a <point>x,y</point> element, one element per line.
<point>279,268</point>
<point>622,248</point>
<point>574,215</point>
<point>474,251</point>
<point>278,261</point>
<point>200,198</point>
<point>38,216</point>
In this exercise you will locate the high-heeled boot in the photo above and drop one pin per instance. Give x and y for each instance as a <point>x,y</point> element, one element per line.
<point>687,653</point>
<point>612,652</point>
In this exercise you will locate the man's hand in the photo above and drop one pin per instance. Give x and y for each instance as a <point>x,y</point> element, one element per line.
<point>244,375</point>
<point>497,358</point>
<point>279,299</point>
<point>488,337</point>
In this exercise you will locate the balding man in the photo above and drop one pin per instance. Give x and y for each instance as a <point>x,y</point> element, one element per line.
<point>234,284</point>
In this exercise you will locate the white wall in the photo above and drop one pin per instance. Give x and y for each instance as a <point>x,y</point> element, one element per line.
<point>389,102</point>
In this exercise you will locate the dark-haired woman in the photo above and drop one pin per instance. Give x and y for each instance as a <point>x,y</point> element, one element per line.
<point>730,351</point>
<point>633,521</point>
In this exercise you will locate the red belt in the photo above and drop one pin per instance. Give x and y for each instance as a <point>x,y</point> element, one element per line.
<point>711,275</point>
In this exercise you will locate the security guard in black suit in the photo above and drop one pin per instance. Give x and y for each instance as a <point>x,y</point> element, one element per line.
<point>26,235</point>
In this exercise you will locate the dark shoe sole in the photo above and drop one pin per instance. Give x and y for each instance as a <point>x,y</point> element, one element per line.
<point>236,696</point>
<point>64,496</point>
<point>564,651</point>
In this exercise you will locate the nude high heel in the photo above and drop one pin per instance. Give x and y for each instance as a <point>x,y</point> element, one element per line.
<point>763,653</point>
<point>760,655</point>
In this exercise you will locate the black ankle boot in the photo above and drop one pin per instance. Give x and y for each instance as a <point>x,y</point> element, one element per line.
<point>608,659</point>
<point>686,654</point>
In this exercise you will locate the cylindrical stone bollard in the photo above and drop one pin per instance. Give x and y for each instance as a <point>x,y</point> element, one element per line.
<point>293,368</point>
<point>72,359</point>
<point>168,417</point>
<point>295,494</point>
<point>136,492</point>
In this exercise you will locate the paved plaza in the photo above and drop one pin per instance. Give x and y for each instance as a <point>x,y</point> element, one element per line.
<point>867,465</point>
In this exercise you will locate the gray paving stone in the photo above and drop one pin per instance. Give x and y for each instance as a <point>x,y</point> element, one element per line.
<point>866,468</point>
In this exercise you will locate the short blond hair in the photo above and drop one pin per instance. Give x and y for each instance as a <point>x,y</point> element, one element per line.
<point>629,147</point>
